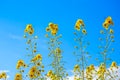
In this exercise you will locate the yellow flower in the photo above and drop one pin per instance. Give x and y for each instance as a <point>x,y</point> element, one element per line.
<point>0,76</point>
<point>114,65</point>
<point>77,78</point>
<point>88,70</point>
<point>51,25</point>
<point>50,73</point>
<point>20,63</point>
<point>84,31</point>
<point>25,66</point>
<point>47,29</point>
<point>34,59</point>
<point>29,29</point>
<point>101,70</point>
<point>111,31</point>
<point>109,20</point>
<point>53,28</point>
<point>39,57</point>
<point>32,72</point>
<point>31,75</point>
<point>38,64</point>
<point>76,68</point>
<point>92,67</point>
<point>18,76</point>
<point>33,69</point>
<point>79,23</point>
<point>53,32</point>
<point>18,66</point>
<point>106,25</point>
<point>38,73</point>
<point>4,75</point>
<point>77,26</point>
<point>58,50</point>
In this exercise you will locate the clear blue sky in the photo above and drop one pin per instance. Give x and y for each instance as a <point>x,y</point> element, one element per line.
<point>15,14</point>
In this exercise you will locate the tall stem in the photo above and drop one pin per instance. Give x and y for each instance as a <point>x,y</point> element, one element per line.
<point>81,50</point>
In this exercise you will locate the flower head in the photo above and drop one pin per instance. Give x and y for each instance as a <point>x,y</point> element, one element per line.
<point>114,64</point>
<point>106,25</point>
<point>39,57</point>
<point>76,68</point>
<point>53,28</point>
<point>18,76</point>
<point>78,24</point>
<point>92,67</point>
<point>32,72</point>
<point>111,31</point>
<point>84,31</point>
<point>108,21</point>
<point>29,29</point>
<point>47,29</point>
<point>50,73</point>
<point>3,75</point>
<point>58,50</point>
<point>20,63</point>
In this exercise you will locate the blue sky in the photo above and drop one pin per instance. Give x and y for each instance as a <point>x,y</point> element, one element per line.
<point>14,15</point>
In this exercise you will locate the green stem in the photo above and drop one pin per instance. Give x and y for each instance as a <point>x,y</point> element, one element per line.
<point>81,50</point>
<point>108,42</point>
